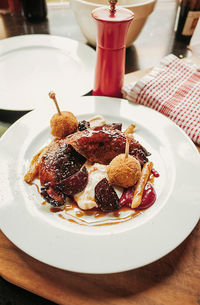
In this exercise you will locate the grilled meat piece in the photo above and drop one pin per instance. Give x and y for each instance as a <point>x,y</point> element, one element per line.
<point>101,144</point>
<point>56,193</point>
<point>63,158</point>
<point>59,162</point>
<point>53,195</point>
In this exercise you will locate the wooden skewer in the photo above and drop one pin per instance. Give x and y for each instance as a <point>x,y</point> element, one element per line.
<point>130,129</point>
<point>127,147</point>
<point>52,95</point>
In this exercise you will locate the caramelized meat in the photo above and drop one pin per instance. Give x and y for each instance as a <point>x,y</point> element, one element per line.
<point>56,193</point>
<point>59,165</point>
<point>53,195</point>
<point>59,162</point>
<point>101,144</point>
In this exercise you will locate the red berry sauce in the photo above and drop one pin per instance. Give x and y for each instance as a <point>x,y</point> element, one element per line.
<point>155,173</point>
<point>148,199</point>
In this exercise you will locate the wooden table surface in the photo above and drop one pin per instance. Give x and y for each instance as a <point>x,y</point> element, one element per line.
<point>174,279</point>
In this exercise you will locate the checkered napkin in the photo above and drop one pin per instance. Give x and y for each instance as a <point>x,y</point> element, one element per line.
<point>172,88</point>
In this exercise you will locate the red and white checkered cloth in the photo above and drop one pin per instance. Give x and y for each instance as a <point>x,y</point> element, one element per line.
<point>172,88</point>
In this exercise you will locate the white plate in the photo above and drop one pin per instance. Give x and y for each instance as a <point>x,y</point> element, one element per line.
<point>104,249</point>
<point>33,65</point>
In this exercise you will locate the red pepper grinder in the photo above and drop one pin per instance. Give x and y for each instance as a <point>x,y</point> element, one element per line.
<point>112,27</point>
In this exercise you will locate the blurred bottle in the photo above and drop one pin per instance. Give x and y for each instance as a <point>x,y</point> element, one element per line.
<point>14,6</point>
<point>34,10</point>
<point>188,19</point>
<point>4,4</point>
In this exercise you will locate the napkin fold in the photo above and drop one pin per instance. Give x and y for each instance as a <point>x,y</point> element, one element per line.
<point>173,89</point>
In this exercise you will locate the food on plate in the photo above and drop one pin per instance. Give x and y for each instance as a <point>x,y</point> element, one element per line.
<point>57,166</point>
<point>102,143</point>
<point>82,125</point>
<point>124,170</point>
<point>97,120</point>
<point>97,167</point>
<point>85,199</point>
<point>62,123</point>
<point>148,198</point>
<point>106,197</point>
<point>130,129</point>
<point>137,197</point>
<point>34,166</point>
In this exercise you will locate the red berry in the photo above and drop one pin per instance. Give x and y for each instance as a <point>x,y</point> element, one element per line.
<point>74,183</point>
<point>106,197</point>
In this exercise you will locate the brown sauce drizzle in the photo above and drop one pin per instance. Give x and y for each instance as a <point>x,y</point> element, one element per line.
<point>109,221</point>
<point>61,216</point>
<point>115,217</point>
<point>37,187</point>
<point>55,210</point>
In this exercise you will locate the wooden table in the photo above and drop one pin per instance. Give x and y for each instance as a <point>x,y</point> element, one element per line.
<point>174,279</point>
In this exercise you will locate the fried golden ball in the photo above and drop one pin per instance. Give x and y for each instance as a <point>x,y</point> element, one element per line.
<point>63,124</point>
<point>124,171</point>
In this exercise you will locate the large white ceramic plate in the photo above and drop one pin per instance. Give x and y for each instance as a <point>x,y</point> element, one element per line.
<point>33,65</point>
<point>104,249</point>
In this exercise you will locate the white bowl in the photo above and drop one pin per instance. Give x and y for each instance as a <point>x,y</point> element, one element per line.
<point>82,10</point>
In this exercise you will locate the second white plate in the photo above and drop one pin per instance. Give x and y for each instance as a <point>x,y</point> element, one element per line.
<point>33,65</point>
